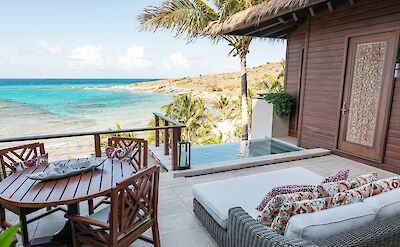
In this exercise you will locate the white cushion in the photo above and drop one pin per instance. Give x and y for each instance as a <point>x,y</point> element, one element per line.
<point>328,222</point>
<point>386,204</point>
<point>247,192</point>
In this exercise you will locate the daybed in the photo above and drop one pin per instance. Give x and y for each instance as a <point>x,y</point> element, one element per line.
<point>227,210</point>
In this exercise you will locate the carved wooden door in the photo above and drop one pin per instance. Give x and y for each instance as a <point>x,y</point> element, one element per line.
<point>367,94</point>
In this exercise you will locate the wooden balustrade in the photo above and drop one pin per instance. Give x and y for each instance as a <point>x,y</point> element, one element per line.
<point>169,125</point>
<point>176,136</point>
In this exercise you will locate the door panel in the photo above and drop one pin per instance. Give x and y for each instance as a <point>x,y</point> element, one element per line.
<point>367,94</point>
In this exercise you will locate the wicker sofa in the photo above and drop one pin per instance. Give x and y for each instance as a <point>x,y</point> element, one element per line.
<point>242,230</point>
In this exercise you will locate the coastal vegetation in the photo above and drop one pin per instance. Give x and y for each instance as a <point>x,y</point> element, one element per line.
<point>217,118</point>
<point>193,19</point>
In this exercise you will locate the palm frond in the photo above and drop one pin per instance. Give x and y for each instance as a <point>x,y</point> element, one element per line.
<point>185,17</point>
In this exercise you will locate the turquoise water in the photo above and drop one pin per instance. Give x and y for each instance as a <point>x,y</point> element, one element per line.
<point>209,154</point>
<point>72,97</point>
<point>43,106</point>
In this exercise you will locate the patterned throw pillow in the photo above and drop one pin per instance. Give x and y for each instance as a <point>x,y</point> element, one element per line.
<point>330,189</point>
<point>293,208</point>
<point>282,190</point>
<point>363,179</point>
<point>273,207</point>
<point>119,153</point>
<point>39,160</point>
<point>337,176</point>
<point>384,185</point>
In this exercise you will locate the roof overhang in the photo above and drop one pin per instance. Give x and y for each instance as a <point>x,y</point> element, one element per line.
<point>259,21</point>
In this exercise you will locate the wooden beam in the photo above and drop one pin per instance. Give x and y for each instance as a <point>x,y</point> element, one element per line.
<point>330,7</point>
<point>281,20</point>
<point>351,2</point>
<point>295,18</point>
<point>312,13</point>
<point>279,31</point>
<point>261,29</point>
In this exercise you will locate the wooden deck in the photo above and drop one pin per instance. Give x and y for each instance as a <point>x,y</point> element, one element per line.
<point>178,225</point>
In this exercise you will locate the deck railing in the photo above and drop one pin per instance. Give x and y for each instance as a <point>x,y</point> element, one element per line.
<point>169,125</point>
<point>176,136</point>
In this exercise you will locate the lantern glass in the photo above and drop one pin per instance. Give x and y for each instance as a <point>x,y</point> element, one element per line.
<point>397,68</point>
<point>184,148</point>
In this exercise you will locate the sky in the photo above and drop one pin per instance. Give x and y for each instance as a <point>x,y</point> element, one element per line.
<point>102,39</point>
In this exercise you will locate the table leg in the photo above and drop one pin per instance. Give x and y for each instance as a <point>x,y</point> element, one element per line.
<point>63,236</point>
<point>66,233</point>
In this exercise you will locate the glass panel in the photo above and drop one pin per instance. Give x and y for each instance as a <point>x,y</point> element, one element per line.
<point>365,92</point>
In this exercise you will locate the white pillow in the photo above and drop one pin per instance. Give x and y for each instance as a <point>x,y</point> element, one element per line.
<point>329,222</point>
<point>386,204</point>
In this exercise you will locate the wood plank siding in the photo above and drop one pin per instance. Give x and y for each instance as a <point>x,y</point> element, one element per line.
<point>294,60</point>
<point>328,35</point>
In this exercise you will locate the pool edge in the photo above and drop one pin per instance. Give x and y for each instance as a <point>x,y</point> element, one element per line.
<point>252,162</point>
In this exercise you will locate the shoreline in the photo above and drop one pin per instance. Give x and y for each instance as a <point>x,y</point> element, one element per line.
<point>208,87</point>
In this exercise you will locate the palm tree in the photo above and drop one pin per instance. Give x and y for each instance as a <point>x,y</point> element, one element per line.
<point>191,18</point>
<point>194,114</point>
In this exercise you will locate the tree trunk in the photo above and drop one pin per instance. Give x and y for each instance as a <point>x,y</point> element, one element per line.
<point>244,94</point>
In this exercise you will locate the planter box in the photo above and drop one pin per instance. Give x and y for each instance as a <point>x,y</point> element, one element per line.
<point>265,123</point>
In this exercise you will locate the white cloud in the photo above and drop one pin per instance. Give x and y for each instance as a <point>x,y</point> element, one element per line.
<point>133,59</point>
<point>87,56</point>
<point>177,61</point>
<point>51,49</point>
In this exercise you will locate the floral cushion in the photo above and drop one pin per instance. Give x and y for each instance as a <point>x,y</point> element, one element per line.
<point>288,189</point>
<point>330,189</point>
<point>119,153</point>
<point>384,185</point>
<point>363,179</point>
<point>273,207</point>
<point>39,160</point>
<point>301,207</point>
<point>357,194</point>
<point>281,190</point>
<point>337,176</point>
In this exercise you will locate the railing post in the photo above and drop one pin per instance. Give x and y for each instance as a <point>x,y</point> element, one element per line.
<point>176,136</point>
<point>97,146</point>
<point>157,124</point>
<point>166,138</point>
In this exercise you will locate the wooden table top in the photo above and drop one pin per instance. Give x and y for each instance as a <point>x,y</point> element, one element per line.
<point>21,191</point>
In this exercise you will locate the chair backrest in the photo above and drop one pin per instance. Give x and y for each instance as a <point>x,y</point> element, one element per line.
<point>8,156</point>
<point>139,147</point>
<point>134,203</point>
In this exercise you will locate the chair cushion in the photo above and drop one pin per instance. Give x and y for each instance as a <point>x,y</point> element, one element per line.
<point>386,204</point>
<point>219,196</point>
<point>329,222</point>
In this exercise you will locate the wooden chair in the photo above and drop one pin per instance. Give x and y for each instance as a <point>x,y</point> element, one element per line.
<point>139,160</point>
<point>133,210</point>
<point>139,147</point>
<point>12,155</point>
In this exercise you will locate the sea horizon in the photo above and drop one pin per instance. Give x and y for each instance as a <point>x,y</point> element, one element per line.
<point>58,105</point>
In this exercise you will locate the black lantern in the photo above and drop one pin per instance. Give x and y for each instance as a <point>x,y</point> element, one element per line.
<point>397,68</point>
<point>184,155</point>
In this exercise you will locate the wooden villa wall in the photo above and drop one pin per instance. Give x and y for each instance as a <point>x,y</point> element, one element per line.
<point>294,59</point>
<point>324,73</point>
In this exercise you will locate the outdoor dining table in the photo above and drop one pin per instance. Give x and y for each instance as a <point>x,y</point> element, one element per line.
<point>17,190</point>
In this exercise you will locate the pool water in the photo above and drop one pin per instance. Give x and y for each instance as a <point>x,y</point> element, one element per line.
<point>209,154</point>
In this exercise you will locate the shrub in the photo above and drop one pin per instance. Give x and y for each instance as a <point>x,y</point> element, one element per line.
<point>283,103</point>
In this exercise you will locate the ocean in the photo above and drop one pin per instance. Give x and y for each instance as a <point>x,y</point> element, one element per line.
<point>42,106</point>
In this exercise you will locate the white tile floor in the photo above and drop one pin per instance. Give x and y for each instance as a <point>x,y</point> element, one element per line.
<point>178,225</point>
